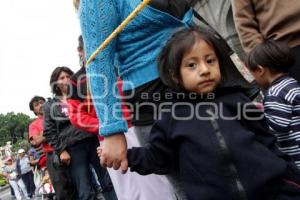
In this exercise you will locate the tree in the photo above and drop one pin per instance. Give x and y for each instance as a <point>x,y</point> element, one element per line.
<point>13,127</point>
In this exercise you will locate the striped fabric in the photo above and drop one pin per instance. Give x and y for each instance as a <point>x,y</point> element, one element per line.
<point>282,110</point>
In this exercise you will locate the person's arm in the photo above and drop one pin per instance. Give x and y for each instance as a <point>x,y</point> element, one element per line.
<point>98,19</point>
<point>246,24</point>
<point>278,113</point>
<point>157,156</point>
<point>32,161</point>
<point>50,128</point>
<point>35,135</point>
<point>80,117</point>
<point>38,139</point>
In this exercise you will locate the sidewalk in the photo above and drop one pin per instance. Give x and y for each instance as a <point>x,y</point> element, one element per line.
<point>4,187</point>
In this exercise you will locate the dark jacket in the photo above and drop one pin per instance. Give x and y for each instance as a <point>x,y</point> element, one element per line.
<point>217,159</point>
<point>58,130</point>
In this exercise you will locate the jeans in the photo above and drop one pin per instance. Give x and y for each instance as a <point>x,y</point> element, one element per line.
<point>61,180</point>
<point>28,181</point>
<point>82,155</point>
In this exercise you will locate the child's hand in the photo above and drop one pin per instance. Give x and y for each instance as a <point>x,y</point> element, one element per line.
<point>99,151</point>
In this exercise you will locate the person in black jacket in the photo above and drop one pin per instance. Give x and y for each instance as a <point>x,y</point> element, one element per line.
<point>75,147</point>
<point>210,132</point>
<point>53,119</point>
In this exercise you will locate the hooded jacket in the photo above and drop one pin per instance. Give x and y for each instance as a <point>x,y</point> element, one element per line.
<point>220,146</point>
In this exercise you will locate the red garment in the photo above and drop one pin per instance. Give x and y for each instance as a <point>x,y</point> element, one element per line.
<point>80,118</point>
<point>42,161</point>
<point>36,128</point>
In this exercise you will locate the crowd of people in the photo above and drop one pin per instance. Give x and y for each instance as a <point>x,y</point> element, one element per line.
<point>204,138</point>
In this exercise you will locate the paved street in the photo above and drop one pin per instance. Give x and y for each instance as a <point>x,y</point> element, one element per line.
<point>5,195</point>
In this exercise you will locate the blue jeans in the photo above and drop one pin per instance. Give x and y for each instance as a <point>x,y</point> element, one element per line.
<point>82,155</point>
<point>61,180</point>
<point>28,181</point>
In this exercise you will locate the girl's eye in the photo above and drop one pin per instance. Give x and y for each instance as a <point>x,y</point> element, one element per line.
<point>191,64</point>
<point>211,60</point>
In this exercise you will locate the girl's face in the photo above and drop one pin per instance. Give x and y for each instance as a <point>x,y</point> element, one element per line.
<point>199,69</point>
<point>62,82</point>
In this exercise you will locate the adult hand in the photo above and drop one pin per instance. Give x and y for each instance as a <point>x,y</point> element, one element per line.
<point>113,152</point>
<point>65,157</point>
<point>40,139</point>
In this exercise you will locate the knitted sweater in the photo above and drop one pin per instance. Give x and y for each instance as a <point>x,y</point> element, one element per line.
<point>257,20</point>
<point>133,52</point>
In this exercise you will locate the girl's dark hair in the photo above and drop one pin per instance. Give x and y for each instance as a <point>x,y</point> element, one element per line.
<point>169,60</point>
<point>35,99</point>
<point>275,55</point>
<point>54,78</point>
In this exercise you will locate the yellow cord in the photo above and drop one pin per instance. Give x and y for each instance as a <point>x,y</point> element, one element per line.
<point>132,15</point>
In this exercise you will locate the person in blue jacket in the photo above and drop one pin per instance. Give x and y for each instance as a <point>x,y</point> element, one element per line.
<point>133,52</point>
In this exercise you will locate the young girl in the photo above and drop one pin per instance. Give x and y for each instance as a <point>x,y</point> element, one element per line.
<point>211,133</point>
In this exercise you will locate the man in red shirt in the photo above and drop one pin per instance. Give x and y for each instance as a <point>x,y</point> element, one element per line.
<point>59,177</point>
<point>35,135</point>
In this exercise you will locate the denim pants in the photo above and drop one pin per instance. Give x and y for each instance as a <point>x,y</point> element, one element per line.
<point>82,155</point>
<point>28,181</point>
<point>61,180</point>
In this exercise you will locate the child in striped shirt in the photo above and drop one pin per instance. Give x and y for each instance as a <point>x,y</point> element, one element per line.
<point>269,63</point>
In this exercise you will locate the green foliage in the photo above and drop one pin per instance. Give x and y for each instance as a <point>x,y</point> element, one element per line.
<point>2,180</point>
<point>13,127</point>
<point>21,144</point>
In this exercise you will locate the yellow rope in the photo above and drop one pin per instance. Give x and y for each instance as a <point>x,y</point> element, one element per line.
<point>132,15</point>
<point>88,95</point>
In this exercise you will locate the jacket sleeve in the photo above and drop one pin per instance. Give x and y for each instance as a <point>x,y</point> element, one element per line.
<point>246,24</point>
<point>157,156</point>
<point>50,128</point>
<point>98,19</point>
<point>80,118</point>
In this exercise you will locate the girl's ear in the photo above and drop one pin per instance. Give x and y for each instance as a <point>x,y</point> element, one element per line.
<point>173,77</point>
<point>259,71</point>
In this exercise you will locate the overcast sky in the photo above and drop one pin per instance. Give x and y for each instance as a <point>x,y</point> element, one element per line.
<point>35,37</point>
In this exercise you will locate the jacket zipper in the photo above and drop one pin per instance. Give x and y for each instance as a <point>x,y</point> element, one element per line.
<point>226,155</point>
